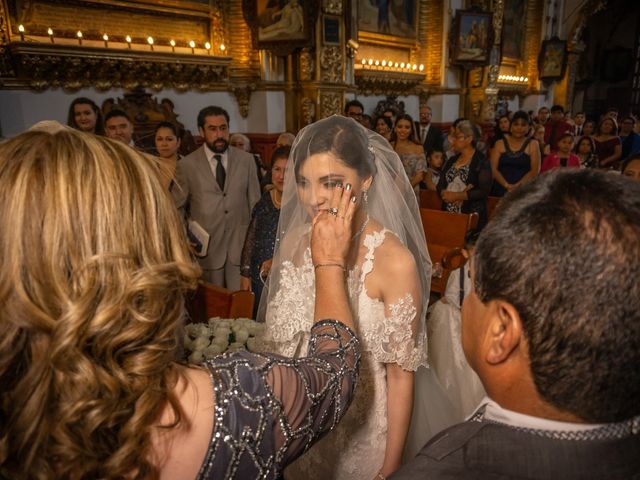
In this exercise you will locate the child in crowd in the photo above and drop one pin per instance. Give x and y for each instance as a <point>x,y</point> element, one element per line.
<point>563,157</point>
<point>435,161</point>
<point>586,151</point>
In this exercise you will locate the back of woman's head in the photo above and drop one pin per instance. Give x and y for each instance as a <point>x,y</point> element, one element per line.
<point>340,136</point>
<point>94,265</point>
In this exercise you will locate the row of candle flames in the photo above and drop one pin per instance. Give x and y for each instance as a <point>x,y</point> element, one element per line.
<point>389,65</point>
<point>128,39</point>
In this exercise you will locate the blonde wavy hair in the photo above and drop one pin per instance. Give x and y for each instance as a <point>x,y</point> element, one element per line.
<point>94,267</point>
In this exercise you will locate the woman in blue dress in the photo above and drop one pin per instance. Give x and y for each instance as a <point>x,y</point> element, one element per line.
<point>260,240</point>
<point>515,159</point>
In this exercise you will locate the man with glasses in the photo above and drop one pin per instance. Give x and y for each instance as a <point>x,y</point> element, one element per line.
<point>354,109</point>
<point>629,138</point>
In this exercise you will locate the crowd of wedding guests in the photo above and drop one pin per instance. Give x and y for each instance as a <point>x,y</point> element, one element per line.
<point>100,244</point>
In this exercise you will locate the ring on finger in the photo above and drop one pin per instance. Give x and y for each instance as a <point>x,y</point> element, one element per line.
<point>333,211</point>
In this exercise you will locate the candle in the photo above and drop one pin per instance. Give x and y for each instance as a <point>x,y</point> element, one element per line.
<point>192,44</point>
<point>21,30</point>
<point>50,33</point>
<point>207,46</point>
<point>222,47</point>
<point>79,35</point>
<point>173,45</point>
<point>150,42</point>
<point>105,37</point>
<point>128,40</point>
<point>421,67</point>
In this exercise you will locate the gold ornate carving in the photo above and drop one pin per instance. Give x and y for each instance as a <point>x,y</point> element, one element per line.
<point>242,93</point>
<point>533,33</point>
<point>245,59</point>
<point>42,66</point>
<point>330,103</point>
<point>375,82</point>
<point>331,64</point>
<point>430,31</point>
<point>491,92</point>
<point>306,65</point>
<point>333,7</point>
<point>307,111</point>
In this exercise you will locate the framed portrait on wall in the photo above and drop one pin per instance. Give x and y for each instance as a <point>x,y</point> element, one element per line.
<point>552,59</point>
<point>388,21</point>
<point>471,38</point>
<point>513,28</point>
<point>281,26</point>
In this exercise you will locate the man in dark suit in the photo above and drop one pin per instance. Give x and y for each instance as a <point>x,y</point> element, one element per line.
<point>218,189</point>
<point>431,137</point>
<point>552,328</point>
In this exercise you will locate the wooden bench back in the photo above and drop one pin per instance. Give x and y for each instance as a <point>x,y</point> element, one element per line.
<point>430,199</point>
<point>214,301</point>
<point>445,231</point>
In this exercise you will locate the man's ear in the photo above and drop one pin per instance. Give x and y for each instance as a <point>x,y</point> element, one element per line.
<point>504,332</point>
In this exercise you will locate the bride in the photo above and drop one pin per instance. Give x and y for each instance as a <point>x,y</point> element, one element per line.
<point>388,275</point>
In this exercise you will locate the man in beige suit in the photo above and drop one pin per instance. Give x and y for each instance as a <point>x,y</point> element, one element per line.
<point>218,189</point>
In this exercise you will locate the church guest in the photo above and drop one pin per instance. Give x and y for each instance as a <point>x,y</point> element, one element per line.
<point>167,141</point>
<point>543,116</point>
<point>94,312</point>
<point>503,126</point>
<point>538,134</point>
<point>384,127</point>
<point>578,124</point>
<point>435,162</point>
<point>411,153</point>
<point>629,138</point>
<point>285,139</point>
<point>218,189</point>
<point>631,168</point>
<point>465,181</point>
<point>257,253</point>
<point>585,151</point>
<point>608,145</point>
<point>354,109</point>
<point>589,128</point>
<point>555,127</point>
<point>515,159</point>
<point>242,142</point>
<point>119,127</point>
<point>430,137</point>
<point>563,157</point>
<point>558,362</point>
<point>85,115</point>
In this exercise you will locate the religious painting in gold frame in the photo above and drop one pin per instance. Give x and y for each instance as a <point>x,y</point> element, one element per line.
<point>514,23</point>
<point>471,38</point>
<point>281,26</point>
<point>388,23</point>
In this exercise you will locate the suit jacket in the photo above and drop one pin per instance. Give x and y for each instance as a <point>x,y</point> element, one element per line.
<point>225,215</point>
<point>434,140</point>
<point>486,450</point>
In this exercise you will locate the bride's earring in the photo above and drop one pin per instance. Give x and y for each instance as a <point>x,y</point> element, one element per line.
<point>365,197</point>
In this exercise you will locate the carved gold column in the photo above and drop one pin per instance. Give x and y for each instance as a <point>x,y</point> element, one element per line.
<point>331,61</point>
<point>245,64</point>
<point>430,33</point>
<point>533,36</point>
<point>491,92</point>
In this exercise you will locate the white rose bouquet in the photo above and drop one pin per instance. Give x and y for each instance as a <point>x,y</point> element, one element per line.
<point>206,340</point>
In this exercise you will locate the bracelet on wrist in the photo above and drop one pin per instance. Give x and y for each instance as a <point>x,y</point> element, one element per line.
<point>323,265</point>
<point>379,476</point>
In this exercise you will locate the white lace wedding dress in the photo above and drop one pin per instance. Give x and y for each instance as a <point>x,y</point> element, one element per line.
<point>355,449</point>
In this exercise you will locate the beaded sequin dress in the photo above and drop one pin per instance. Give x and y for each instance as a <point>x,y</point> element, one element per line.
<point>355,449</point>
<point>270,409</point>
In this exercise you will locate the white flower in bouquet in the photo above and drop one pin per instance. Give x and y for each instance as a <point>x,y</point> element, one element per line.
<point>242,335</point>
<point>222,341</point>
<point>196,356</point>
<point>252,344</point>
<point>221,331</point>
<point>197,330</point>
<point>187,342</point>
<point>200,343</point>
<point>213,351</point>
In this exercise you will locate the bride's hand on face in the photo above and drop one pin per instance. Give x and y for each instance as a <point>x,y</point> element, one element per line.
<point>331,232</point>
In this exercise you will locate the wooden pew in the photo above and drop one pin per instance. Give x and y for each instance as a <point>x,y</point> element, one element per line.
<point>445,232</point>
<point>430,199</point>
<point>213,301</point>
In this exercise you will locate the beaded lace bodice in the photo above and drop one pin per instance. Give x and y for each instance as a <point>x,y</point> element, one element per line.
<point>386,337</point>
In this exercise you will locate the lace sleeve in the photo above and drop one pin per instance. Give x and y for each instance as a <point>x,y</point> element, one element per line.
<point>315,391</point>
<point>399,338</point>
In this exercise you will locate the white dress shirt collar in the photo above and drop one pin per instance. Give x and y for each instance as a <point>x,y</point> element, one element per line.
<point>210,158</point>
